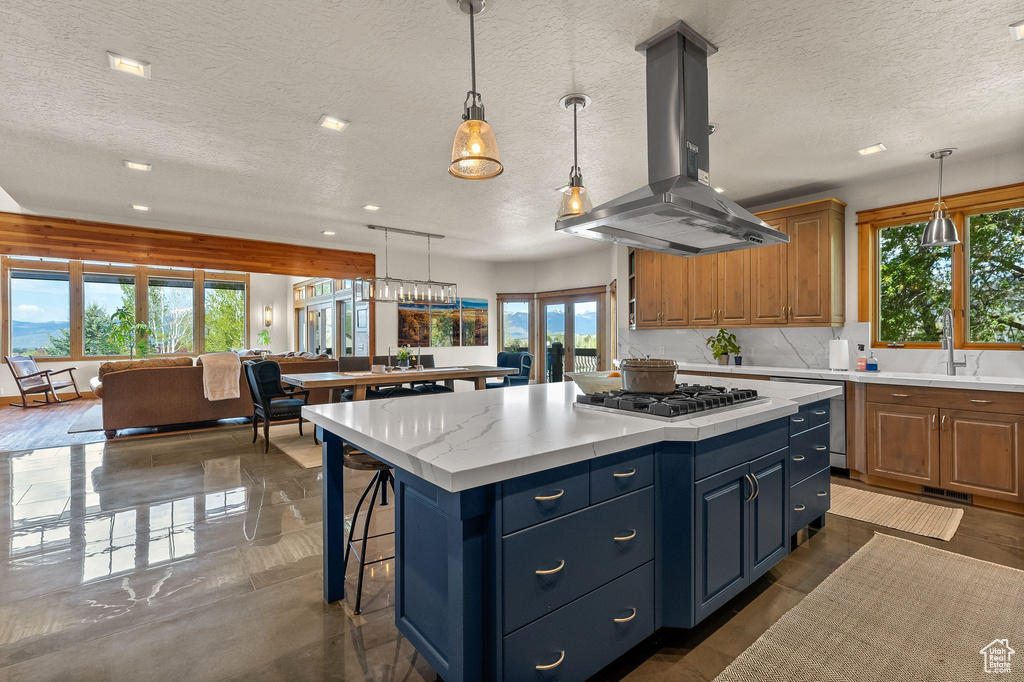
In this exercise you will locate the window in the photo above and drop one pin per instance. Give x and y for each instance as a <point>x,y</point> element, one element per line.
<point>171,315</point>
<point>515,326</point>
<point>995,261</point>
<point>40,313</point>
<point>981,280</point>
<point>224,323</point>
<point>915,286</point>
<point>108,314</point>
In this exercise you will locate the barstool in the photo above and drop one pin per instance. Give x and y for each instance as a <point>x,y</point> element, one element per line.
<point>382,478</point>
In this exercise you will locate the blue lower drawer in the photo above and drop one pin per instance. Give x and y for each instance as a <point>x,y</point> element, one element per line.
<point>580,638</point>
<point>809,499</point>
<point>550,564</point>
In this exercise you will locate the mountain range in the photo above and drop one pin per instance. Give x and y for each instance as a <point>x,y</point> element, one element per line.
<point>518,324</point>
<point>28,336</point>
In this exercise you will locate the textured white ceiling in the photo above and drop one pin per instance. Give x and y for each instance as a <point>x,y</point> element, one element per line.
<point>228,119</point>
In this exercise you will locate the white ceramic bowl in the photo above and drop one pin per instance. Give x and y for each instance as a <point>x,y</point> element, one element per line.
<point>595,382</point>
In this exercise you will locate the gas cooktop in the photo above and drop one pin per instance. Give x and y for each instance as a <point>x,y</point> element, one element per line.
<point>688,400</point>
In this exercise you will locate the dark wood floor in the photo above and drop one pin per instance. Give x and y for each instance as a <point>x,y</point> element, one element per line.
<point>44,427</point>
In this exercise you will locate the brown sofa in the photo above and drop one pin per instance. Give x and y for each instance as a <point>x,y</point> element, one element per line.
<point>168,391</point>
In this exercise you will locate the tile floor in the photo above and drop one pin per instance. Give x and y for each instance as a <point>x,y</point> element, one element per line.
<point>195,556</point>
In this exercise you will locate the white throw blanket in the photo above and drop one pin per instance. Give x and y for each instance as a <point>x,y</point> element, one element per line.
<point>220,375</point>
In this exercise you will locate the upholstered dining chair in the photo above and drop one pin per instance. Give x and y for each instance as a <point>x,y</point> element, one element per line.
<point>429,387</point>
<point>399,391</point>
<point>521,361</point>
<point>270,401</point>
<point>34,381</point>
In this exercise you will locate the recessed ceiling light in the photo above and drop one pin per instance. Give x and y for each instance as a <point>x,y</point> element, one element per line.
<point>140,207</point>
<point>370,207</point>
<point>132,66</point>
<point>719,189</point>
<point>329,233</point>
<point>1017,30</point>
<point>135,165</point>
<point>873,149</point>
<point>331,123</point>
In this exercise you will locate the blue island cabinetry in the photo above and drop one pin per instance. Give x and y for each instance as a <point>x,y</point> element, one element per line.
<point>553,575</point>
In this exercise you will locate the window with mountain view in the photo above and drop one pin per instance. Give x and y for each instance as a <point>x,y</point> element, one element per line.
<point>225,315</point>
<point>914,286</point>
<point>515,326</point>
<point>40,319</point>
<point>171,315</point>
<point>108,313</point>
<point>995,255</point>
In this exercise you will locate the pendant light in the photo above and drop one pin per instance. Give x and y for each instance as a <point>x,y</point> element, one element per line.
<point>475,150</point>
<point>940,230</point>
<point>388,289</point>
<point>575,201</point>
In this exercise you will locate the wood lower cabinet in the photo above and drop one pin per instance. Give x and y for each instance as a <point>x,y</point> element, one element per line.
<point>903,443</point>
<point>981,453</point>
<point>800,283</point>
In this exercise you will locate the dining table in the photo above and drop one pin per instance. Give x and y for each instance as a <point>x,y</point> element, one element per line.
<point>359,381</point>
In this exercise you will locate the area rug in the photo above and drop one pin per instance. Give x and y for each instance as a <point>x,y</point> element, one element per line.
<point>896,610</point>
<point>90,420</point>
<point>302,449</point>
<point>911,516</point>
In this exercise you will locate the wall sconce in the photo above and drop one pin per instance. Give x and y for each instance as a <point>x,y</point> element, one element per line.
<point>268,315</point>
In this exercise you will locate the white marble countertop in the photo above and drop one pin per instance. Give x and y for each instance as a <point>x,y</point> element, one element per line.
<point>467,439</point>
<point>978,383</point>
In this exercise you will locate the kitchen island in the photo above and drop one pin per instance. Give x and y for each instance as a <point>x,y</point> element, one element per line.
<point>535,540</point>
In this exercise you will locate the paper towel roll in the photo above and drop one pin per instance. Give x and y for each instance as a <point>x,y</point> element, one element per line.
<point>839,354</point>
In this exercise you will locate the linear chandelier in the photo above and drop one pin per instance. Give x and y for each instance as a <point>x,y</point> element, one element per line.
<point>388,289</point>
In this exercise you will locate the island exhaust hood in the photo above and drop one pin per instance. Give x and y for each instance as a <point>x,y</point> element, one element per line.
<point>677,212</point>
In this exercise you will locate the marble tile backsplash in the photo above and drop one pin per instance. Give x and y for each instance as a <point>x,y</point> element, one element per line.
<point>808,347</point>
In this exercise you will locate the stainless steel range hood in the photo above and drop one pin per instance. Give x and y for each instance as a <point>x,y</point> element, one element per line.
<point>677,212</point>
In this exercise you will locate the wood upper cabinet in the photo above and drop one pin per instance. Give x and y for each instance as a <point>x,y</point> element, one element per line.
<point>800,283</point>
<point>648,289</point>
<point>769,281</point>
<point>674,308</point>
<point>903,442</point>
<point>702,290</point>
<point>981,453</point>
<point>734,288</point>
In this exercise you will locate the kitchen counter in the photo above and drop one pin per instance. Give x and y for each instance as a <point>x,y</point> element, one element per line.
<point>459,441</point>
<point>978,383</point>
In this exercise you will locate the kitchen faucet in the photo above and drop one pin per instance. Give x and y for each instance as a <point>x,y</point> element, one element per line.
<point>947,344</point>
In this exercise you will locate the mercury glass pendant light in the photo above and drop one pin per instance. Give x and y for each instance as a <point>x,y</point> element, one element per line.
<point>475,150</point>
<point>940,230</point>
<point>575,200</point>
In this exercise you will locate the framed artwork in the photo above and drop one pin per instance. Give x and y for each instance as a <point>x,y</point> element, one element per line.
<point>474,321</point>
<point>439,325</point>
<point>413,324</point>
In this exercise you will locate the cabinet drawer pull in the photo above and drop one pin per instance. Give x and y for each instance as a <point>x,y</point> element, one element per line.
<point>819,412</point>
<point>623,538</point>
<point>552,666</point>
<point>822,493</point>
<point>548,498</point>
<point>624,474</point>
<point>798,458</point>
<point>751,482</point>
<point>981,402</point>
<point>627,618</point>
<point>798,420</point>
<point>820,448</point>
<point>799,507</point>
<point>551,571</point>
<point>900,395</point>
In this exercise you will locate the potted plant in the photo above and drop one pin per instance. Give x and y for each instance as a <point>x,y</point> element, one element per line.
<point>722,344</point>
<point>263,338</point>
<point>402,356</point>
<point>129,334</point>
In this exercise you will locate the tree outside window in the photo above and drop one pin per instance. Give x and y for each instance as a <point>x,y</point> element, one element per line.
<point>914,286</point>
<point>103,296</point>
<point>225,315</point>
<point>995,254</point>
<point>171,315</point>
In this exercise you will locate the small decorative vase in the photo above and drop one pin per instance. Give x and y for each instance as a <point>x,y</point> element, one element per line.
<point>723,359</point>
<point>738,360</point>
<point>404,364</point>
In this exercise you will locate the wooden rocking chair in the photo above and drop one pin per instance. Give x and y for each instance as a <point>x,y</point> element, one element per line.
<point>32,381</point>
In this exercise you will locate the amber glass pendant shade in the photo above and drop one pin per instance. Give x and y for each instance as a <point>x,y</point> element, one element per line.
<point>475,152</point>
<point>575,201</point>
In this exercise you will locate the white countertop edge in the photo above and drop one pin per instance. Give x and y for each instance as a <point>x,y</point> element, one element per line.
<point>968,382</point>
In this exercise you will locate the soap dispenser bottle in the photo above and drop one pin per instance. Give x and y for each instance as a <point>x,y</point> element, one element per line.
<point>862,361</point>
<point>872,364</point>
